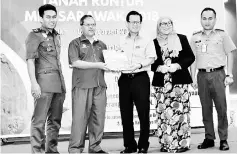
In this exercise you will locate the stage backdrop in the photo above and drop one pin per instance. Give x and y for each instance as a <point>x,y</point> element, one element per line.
<point>19,17</point>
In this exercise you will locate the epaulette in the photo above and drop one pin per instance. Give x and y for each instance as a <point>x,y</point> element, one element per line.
<point>221,30</point>
<point>37,30</point>
<point>55,32</point>
<point>197,32</point>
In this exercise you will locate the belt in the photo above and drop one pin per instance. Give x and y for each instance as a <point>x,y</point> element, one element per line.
<point>133,75</point>
<point>47,71</point>
<point>211,69</point>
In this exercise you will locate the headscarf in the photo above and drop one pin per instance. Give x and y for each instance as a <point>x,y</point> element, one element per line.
<point>173,39</point>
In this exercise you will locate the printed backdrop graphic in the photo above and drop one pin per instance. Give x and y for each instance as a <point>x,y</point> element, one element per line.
<point>19,17</point>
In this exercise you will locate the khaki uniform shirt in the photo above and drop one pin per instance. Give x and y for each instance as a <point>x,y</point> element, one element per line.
<point>211,50</point>
<point>81,49</point>
<point>44,47</point>
<point>138,50</point>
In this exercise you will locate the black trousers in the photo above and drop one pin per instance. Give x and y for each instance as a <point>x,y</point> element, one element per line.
<point>211,89</point>
<point>47,109</point>
<point>135,90</point>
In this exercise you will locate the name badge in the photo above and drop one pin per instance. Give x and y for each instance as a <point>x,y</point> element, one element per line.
<point>84,46</point>
<point>204,48</point>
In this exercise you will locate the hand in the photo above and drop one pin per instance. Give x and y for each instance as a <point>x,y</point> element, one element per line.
<point>35,90</point>
<point>133,67</point>
<point>228,81</point>
<point>163,69</point>
<point>194,84</point>
<point>103,66</point>
<point>173,67</point>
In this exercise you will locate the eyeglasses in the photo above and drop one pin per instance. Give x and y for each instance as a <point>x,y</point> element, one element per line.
<point>135,22</point>
<point>166,24</point>
<point>88,25</point>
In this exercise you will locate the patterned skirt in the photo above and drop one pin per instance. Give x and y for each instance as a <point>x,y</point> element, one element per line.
<point>173,116</point>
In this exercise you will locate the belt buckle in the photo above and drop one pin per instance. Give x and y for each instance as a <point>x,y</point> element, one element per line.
<point>131,75</point>
<point>208,70</point>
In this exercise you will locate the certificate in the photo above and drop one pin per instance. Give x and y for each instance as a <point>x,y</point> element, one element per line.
<point>116,60</point>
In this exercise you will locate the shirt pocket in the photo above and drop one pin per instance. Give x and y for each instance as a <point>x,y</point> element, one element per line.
<point>99,53</point>
<point>83,52</point>
<point>216,44</point>
<point>140,51</point>
<point>47,46</point>
<point>198,45</point>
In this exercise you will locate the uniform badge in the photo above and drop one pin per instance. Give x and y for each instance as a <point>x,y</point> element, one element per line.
<point>44,35</point>
<point>84,46</point>
<point>198,41</point>
<point>138,47</point>
<point>204,47</point>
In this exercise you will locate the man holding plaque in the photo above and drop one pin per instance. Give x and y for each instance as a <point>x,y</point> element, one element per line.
<point>134,84</point>
<point>212,47</point>
<point>88,88</point>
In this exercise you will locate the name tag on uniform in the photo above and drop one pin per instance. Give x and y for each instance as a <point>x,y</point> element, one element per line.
<point>204,48</point>
<point>138,47</point>
<point>84,46</point>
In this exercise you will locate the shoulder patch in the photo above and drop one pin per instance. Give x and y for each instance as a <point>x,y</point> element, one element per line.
<point>37,30</point>
<point>197,32</point>
<point>221,30</point>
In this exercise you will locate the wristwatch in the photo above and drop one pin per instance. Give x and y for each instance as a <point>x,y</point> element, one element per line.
<point>229,75</point>
<point>140,66</point>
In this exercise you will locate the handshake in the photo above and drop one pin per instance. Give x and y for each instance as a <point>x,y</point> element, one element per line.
<point>171,68</point>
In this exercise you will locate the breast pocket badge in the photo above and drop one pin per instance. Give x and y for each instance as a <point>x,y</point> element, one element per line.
<point>84,46</point>
<point>137,47</point>
<point>204,48</point>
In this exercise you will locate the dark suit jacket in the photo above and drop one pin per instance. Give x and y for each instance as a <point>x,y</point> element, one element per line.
<point>184,59</point>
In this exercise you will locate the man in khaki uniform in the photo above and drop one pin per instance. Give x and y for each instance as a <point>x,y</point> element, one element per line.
<point>47,83</point>
<point>88,88</point>
<point>212,47</point>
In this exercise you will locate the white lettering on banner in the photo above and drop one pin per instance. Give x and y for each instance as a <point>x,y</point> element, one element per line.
<point>151,15</point>
<point>79,15</point>
<point>62,16</point>
<point>66,2</point>
<point>33,16</point>
<point>111,17</point>
<point>108,16</point>
<point>75,16</point>
<point>101,16</point>
<point>71,16</point>
<point>117,3</point>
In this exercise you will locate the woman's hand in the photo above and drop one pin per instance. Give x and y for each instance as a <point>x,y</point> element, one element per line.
<point>163,69</point>
<point>174,67</point>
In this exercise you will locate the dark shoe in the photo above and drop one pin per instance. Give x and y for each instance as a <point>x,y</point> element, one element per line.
<point>101,151</point>
<point>142,150</point>
<point>182,150</point>
<point>129,150</point>
<point>163,150</point>
<point>224,145</point>
<point>207,143</point>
